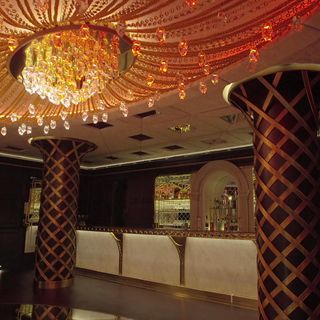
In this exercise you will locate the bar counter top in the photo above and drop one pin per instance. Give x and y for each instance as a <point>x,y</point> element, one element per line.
<point>172,232</point>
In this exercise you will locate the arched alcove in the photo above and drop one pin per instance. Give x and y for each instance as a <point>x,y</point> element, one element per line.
<point>211,180</point>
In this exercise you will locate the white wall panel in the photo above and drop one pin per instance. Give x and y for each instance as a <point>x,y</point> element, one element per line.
<point>152,258</point>
<point>97,251</point>
<point>222,266</point>
<point>30,240</point>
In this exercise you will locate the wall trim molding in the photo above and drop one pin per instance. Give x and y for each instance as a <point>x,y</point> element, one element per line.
<point>192,158</point>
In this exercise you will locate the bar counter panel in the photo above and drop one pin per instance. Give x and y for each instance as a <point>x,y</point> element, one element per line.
<point>219,263</point>
<point>152,258</point>
<point>222,266</point>
<point>97,251</point>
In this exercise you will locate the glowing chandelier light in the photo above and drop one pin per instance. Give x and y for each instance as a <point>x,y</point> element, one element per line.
<point>71,66</point>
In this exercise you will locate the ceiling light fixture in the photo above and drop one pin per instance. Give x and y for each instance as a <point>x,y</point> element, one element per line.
<point>68,65</point>
<point>181,128</point>
<point>71,66</point>
<point>70,55</point>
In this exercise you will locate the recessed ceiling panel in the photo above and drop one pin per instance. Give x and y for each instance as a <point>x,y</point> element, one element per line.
<point>140,137</point>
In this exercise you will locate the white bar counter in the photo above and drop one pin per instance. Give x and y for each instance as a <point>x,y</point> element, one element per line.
<point>219,263</point>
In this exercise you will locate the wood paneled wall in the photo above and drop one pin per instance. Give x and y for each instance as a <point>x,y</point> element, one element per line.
<point>15,181</point>
<point>119,200</point>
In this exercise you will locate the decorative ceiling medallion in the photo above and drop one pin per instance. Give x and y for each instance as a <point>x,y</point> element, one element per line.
<point>151,43</point>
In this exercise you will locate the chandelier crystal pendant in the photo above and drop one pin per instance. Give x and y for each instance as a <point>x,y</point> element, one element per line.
<point>70,64</point>
<point>68,67</point>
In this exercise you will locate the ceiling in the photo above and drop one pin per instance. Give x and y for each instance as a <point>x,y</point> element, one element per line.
<point>214,123</point>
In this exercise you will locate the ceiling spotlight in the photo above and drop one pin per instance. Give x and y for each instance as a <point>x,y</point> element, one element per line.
<point>181,128</point>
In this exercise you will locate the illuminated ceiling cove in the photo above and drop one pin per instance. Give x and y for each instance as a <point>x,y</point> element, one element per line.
<point>65,62</point>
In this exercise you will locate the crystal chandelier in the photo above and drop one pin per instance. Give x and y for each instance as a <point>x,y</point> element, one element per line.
<point>69,67</point>
<point>85,58</point>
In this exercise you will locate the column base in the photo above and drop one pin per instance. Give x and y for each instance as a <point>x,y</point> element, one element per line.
<point>53,284</point>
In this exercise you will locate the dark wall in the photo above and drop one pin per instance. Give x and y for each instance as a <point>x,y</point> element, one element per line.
<point>117,200</point>
<point>124,196</point>
<point>14,187</point>
<point>103,200</point>
<point>124,199</point>
<point>8,311</point>
<point>139,207</point>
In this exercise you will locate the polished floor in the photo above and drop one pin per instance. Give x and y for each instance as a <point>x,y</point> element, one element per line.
<point>116,299</point>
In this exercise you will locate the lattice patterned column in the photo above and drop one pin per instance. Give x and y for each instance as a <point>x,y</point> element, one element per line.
<point>56,238</point>
<point>46,312</point>
<point>283,109</point>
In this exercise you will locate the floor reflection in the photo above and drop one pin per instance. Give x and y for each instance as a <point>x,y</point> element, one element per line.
<point>112,299</point>
<point>47,312</point>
